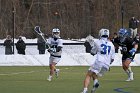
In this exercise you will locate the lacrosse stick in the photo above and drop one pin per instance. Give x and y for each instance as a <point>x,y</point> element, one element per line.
<point>38,31</point>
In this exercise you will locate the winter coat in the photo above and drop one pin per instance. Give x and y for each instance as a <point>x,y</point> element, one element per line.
<point>41,44</point>
<point>133,23</point>
<point>21,46</point>
<point>8,46</point>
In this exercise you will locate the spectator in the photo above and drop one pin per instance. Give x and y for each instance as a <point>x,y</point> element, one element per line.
<point>41,45</point>
<point>20,46</point>
<point>8,45</point>
<point>87,44</point>
<point>133,25</point>
<point>115,41</point>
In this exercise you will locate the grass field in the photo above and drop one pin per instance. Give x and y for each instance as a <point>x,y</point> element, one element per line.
<point>70,80</point>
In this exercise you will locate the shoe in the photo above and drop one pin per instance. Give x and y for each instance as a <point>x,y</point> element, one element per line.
<point>57,72</point>
<point>84,92</point>
<point>129,79</point>
<point>49,79</point>
<point>95,87</point>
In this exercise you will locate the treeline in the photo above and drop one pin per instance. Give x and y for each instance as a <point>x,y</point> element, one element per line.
<point>75,18</point>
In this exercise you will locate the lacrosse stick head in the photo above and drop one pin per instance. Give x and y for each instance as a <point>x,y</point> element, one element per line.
<point>37,28</point>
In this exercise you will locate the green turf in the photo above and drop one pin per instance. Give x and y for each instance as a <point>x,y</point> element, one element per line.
<point>70,80</point>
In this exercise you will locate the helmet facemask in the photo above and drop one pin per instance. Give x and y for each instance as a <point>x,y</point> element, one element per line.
<point>56,33</point>
<point>104,33</point>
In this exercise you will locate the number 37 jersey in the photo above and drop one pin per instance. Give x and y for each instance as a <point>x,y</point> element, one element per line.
<point>105,50</point>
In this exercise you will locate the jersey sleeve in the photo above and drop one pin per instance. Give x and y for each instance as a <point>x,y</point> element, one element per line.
<point>60,43</point>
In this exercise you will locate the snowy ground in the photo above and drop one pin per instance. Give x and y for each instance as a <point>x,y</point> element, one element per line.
<point>73,55</point>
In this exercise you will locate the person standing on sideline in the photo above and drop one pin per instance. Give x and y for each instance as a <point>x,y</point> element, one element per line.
<point>55,51</point>
<point>105,53</point>
<point>20,46</point>
<point>8,45</point>
<point>41,45</point>
<point>128,50</point>
<point>133,25</point>
<point>87,43</point>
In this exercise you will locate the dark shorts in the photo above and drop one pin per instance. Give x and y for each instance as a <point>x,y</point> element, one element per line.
<point>127,56</point>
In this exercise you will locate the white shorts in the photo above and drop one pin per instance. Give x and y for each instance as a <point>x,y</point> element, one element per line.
<point>53,59</point>
<point>99,68</point>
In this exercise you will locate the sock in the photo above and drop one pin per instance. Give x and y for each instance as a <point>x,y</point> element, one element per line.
<point>50,77</point>
<point>127,72</point>
<point>85,89</point>
<point>129,69</point>
<point>95,81</point>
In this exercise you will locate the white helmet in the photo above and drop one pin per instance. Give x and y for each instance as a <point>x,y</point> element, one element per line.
<point>55,30</point>
<point>104,33</point>
<point>56,33</point>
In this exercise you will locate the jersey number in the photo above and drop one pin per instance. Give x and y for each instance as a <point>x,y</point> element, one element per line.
<point>105,49</point>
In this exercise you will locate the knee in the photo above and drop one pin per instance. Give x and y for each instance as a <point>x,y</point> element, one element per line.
<point>52,67</point>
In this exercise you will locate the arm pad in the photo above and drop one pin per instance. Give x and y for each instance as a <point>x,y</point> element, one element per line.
<point>132,51</point>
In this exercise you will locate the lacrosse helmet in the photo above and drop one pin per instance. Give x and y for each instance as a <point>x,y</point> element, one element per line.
<point>104,33</point>
<point>56,33</point>
<point>123,34</point>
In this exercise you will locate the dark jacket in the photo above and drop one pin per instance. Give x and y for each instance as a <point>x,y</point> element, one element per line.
<point>41,46</point>
<point>21,46</point>
<point>133,23</point>
<point>8,46</point>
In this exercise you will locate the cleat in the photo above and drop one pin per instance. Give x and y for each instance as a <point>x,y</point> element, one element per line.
<point>95,87</point>
<point>49,79</point>
<point>129,79</point>
<point>84,92</point>
<point>57,72</point>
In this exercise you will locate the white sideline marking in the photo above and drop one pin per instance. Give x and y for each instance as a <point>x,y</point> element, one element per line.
<point>8,74</point>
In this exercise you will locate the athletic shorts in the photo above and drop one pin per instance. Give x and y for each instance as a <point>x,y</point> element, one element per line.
<point>99,68</point>
<point>53,59</point>
<point>127,56</point>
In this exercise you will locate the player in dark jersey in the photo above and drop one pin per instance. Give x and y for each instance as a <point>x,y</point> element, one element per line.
<point>129,47</point>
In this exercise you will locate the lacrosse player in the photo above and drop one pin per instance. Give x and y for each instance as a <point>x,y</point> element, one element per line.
<point>129,47</point>
<point>105,53</point>
<point>56,44</point>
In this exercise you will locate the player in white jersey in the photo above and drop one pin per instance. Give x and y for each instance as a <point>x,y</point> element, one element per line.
<point>55,51</point>
<point>105,53</point>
